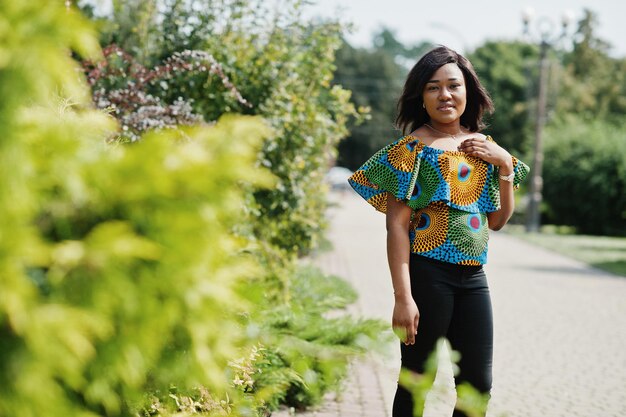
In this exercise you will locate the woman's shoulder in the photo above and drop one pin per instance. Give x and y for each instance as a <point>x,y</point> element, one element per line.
<point>408,143</point>
<point>482,136</point>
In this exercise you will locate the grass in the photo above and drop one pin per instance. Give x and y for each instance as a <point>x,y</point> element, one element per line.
<point>604,252</point>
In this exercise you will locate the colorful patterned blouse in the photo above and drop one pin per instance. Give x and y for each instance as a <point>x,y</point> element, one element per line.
<point>450,193</point>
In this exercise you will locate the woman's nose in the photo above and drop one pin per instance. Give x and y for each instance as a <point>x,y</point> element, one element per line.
<point>444,93</point>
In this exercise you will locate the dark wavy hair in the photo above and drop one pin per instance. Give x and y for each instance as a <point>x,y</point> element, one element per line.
<point>412,114</point>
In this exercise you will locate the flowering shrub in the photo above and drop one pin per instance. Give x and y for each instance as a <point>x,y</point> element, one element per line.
<point>122,87</point>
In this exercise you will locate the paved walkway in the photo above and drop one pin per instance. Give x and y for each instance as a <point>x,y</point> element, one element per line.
<point>560,328</point>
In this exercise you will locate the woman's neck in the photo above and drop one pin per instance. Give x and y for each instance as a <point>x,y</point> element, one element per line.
<point>452,130</point>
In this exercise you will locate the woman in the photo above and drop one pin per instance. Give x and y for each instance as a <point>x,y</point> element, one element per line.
<point>442,187</point>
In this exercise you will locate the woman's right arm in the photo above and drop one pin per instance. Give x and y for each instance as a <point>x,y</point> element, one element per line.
<point>405,313</point>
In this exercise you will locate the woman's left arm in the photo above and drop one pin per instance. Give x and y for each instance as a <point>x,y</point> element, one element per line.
<point>494,154</point>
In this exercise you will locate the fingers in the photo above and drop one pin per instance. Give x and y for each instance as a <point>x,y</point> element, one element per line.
<point>474,147</point>
<point>407,333</point>
<point>401,333</point>
<point>404,322</point>
<point>412,330</point>
<point>410,335</point>
<point>472,144</point>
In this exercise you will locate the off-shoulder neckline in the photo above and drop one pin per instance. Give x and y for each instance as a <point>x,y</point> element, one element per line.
<point>439,150</point>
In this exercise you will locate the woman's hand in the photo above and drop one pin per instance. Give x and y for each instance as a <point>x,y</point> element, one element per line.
<point>405,319</point>
<point>489,152</point>
<point>493,154</point>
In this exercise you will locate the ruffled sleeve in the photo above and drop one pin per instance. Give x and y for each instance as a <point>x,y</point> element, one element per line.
<point>520,170</point>
<point>391,170</point>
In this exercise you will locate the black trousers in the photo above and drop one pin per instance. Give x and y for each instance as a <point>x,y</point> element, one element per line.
<point>454,302</point>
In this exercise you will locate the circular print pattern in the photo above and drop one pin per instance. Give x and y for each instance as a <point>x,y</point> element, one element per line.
<point>401,156</point>
<point>379,201</point>
<point>474,222</point>
<point>467,176</point>
<point>430,226</point>
<point>468,232</point>
<point>360,178</point>
<point>425,185</point>
<point>464,172</point>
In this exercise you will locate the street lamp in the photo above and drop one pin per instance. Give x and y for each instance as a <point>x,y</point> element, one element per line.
<point>548,35</point>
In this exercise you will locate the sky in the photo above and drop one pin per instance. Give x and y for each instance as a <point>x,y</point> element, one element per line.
<point>466,24</point>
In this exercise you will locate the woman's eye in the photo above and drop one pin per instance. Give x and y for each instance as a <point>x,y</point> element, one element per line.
<point>432,88</point>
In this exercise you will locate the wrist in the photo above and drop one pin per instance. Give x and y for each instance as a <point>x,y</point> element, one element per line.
<point>402,297</point>
<point>506,168</point>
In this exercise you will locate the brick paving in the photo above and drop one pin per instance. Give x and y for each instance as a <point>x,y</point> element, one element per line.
<point>560,328</point>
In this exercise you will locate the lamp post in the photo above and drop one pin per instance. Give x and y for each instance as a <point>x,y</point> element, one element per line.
<point>547,37</point>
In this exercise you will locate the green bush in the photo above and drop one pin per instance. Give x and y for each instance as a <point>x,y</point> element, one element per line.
<point>119,272</point>
<point>282,65</point>
<point>585,177</point>
<point>308,345</point>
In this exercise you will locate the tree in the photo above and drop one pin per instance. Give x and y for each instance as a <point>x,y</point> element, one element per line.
<point>585,144</point>
<point>507,70</point>
<point>375,76</point>
<point>594,84</point>
<point>405,55</point>
<point>375,81</point>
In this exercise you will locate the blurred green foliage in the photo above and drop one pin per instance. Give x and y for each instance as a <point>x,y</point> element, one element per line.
<point>469,400</point>
<point>307,347</point>
<point>585,176</point>
<point>280,67</point>
<point>508,72</point>
<point>120,272</point>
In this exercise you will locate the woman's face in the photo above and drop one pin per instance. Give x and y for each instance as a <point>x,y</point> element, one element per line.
<point>444,94</point>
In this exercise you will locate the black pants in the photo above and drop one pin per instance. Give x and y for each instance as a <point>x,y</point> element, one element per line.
<point>454,302</point>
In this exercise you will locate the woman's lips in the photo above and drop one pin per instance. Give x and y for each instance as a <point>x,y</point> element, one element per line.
<point>446,107</point>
